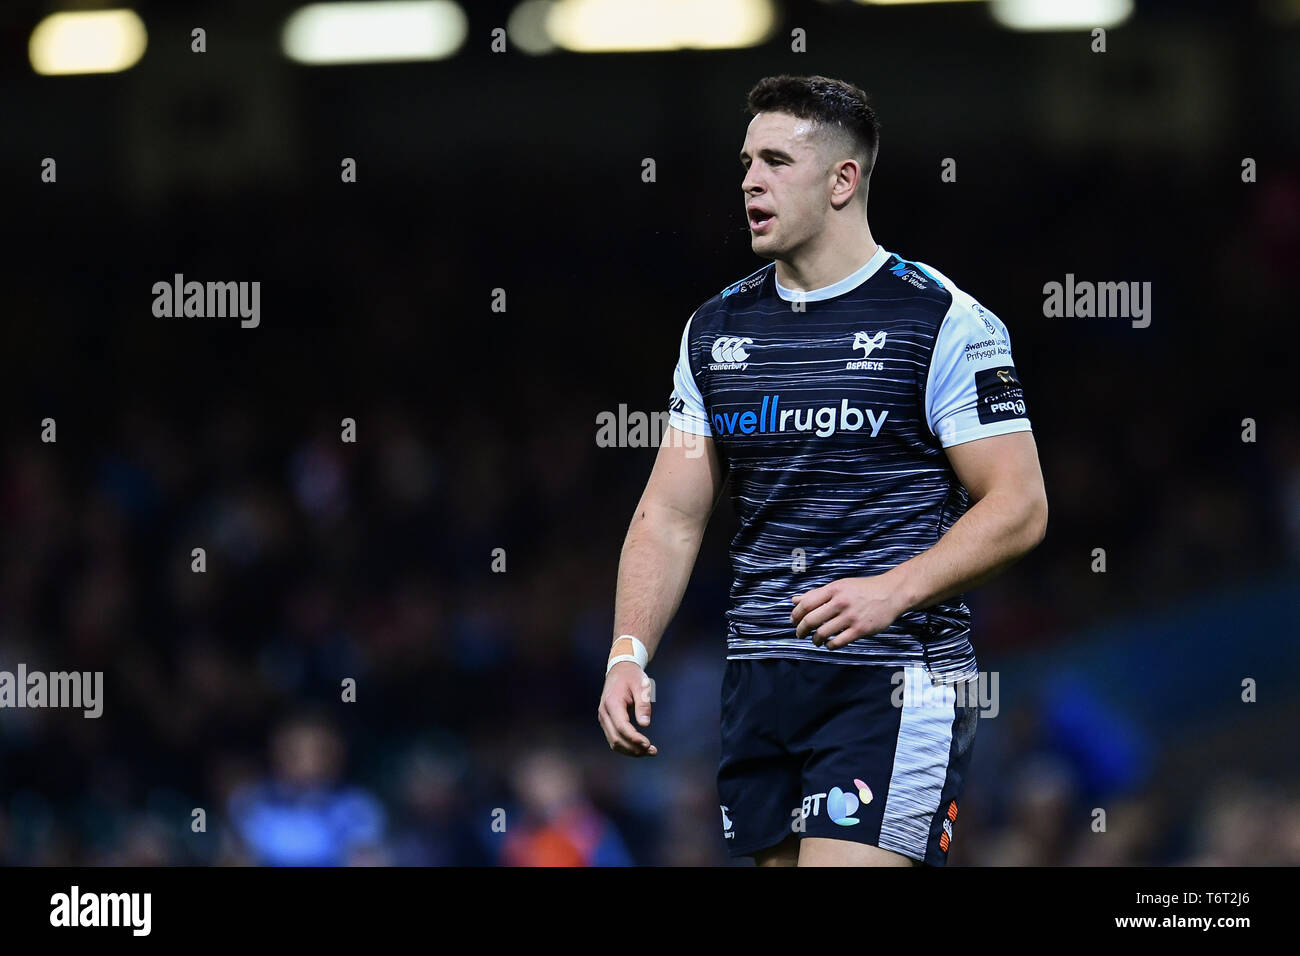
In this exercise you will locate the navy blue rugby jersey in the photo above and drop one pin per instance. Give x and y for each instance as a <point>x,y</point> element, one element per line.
<point>831,409</point>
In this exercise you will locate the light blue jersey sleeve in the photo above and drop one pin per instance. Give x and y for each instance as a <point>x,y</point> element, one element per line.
<point>972,390</point>
<point>686,406</point>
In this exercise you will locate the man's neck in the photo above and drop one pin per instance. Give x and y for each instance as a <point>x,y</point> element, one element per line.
<point>827,263</point>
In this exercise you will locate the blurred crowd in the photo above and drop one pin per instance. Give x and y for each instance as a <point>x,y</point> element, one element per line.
<point>226,737</point>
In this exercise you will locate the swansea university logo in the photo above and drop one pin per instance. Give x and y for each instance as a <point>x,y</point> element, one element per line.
<point>868,343</point>
<point>729,353</point>
<point>984,314</point>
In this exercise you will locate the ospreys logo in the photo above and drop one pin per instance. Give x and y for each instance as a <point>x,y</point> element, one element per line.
<point>1000,394</point>
<point>868,343</point>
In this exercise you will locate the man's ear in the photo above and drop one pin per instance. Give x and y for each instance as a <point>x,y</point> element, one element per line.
<point>848,173</point>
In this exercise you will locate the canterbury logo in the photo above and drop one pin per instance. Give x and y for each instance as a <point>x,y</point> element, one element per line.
<point>869,343</point>
<point>731,349</point>
<point>1007,378</point>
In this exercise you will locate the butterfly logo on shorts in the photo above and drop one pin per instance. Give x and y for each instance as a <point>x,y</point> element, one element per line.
<point>841,805</point>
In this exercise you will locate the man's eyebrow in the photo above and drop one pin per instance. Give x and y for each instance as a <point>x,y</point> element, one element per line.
<point>769,153</point>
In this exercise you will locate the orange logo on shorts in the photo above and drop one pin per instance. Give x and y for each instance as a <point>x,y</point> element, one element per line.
<point>945,837</point>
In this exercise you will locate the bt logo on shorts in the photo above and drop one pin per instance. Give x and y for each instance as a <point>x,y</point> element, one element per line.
<point>727,832</point>
<point>840,805</point>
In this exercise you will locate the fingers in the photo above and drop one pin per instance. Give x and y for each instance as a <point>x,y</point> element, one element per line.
<point>619,732</point>
<point>835,633</point>
<point>843,611</point>
<point>636,743</point>
<point>611,735</point>
<point>839,640</point>
<point>624,737</point>
<point>816,619</point>
<point>643,701</point>
<point>808,600</point>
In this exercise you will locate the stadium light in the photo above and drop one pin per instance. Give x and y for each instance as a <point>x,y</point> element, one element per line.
<point>96,41</point>
<point>526,26</point>
<point>899,3</point>
<point>1060,14</point>
<point>381,32</point>
<point>613,26</point>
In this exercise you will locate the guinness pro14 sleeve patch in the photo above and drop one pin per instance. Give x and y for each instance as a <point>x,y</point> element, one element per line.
<point>999,393</point>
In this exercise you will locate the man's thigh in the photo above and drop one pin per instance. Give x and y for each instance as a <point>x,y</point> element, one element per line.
<point>819,851</point>
<point>758,778</point>
<point>785,853</point>
<point>882,772</point>
<point>852,773</point>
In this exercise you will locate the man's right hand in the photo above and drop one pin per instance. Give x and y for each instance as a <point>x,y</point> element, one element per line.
<point>658,553</point>
<point>626,686</point>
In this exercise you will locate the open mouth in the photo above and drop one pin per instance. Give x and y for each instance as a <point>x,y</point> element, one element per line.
<point>760,219</point>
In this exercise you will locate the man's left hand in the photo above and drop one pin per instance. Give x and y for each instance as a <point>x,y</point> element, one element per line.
<point>845,610</point>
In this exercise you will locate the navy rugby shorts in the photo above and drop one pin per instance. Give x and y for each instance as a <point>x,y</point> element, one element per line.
<point>861,752</point>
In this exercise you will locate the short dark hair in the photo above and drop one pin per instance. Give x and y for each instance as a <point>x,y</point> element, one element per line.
<point>832,104</point>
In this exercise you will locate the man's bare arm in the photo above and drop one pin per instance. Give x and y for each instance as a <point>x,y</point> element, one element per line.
<point>664,537</point>
<point>654,568</point>
<point>1008,518</point>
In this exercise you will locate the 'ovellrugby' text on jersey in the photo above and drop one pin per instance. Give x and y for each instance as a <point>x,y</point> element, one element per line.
<point>831,410</point>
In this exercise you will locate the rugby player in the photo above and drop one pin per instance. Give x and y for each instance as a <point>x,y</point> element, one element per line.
<point>870,424</point>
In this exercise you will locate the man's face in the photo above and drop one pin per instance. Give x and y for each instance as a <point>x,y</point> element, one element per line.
<point>787,183</point>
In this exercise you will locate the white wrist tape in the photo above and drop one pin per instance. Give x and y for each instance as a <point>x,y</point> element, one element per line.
<point>638,655</point>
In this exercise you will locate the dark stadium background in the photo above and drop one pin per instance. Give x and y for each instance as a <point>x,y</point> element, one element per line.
<point>476,690</point>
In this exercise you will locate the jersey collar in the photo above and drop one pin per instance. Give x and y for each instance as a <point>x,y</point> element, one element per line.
<point>848,283</point>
